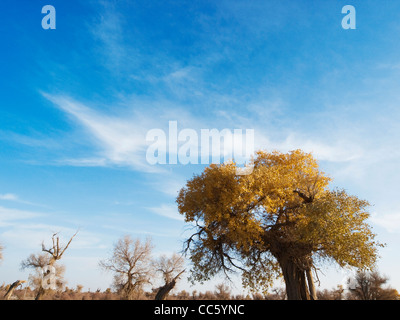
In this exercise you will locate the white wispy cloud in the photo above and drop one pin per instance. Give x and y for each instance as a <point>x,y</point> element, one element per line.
<point>10,216</point>
<point>340,151</point>
<point>167,210</point>
<point>170,185</point>
<point>135,232</point>
<point>32,235</point>
<point>35,140</point>
<point>9,196</point>
<point>15,198</point>
<point>121,139</point>
<point>84,162</point>
<point>28,229</point>
<point>107,29</point>
<point>389,221</point>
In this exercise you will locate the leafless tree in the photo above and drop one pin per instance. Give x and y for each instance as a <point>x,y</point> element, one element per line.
<point>41,261</point>
<point>222,292</point>
<point>131,264</point>
<point>171,269</point>
<point>369,286</point>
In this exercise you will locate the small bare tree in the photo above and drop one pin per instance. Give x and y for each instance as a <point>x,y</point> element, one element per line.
<point>43,262</point>
<point>369,286</point>
<point>171,269</point>
<point>131,264</point>
<point>222,292</point>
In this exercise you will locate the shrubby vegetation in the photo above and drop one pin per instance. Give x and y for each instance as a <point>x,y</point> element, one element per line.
<point>366,286</point>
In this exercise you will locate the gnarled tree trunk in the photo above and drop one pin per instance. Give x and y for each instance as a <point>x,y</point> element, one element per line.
<point>165,289</point>
<point>295,280</point>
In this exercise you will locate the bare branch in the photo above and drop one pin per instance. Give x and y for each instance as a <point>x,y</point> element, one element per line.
<point>66,247</point>
<point>56,252</point>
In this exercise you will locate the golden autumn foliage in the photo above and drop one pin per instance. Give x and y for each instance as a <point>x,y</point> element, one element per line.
<point>280,220</point>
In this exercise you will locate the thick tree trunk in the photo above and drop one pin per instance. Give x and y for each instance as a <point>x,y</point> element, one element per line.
<point>127,289</point>
<point>295,281</point>
<point>291,277</point>
<point>164,290</point>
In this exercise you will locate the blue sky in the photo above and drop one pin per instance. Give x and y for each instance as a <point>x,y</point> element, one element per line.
<point>76,104</point>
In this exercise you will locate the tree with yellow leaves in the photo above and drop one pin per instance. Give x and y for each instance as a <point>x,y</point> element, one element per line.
<point>281,220</point>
